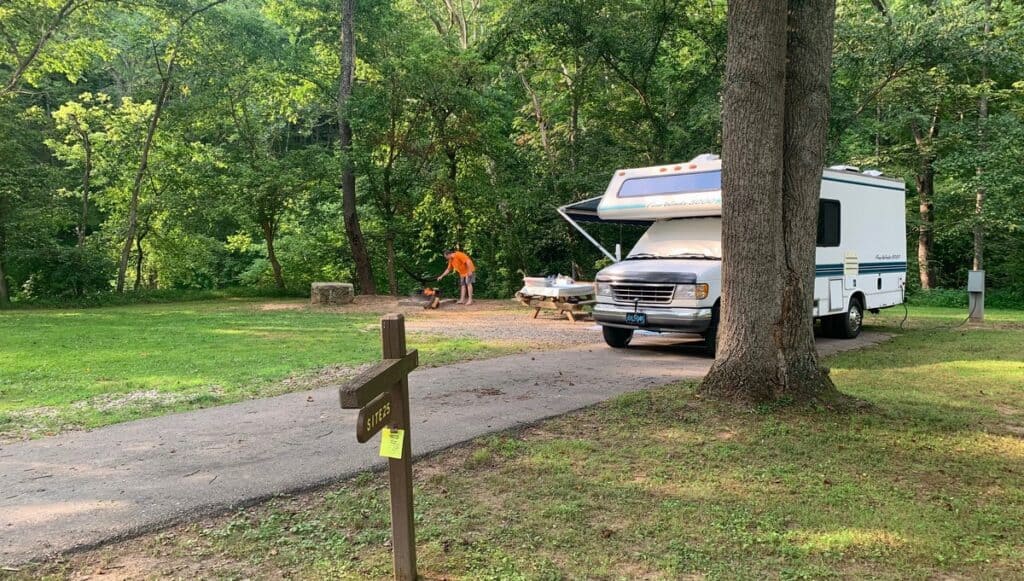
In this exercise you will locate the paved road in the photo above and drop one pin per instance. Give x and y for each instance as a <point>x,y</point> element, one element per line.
<point>82,489</point>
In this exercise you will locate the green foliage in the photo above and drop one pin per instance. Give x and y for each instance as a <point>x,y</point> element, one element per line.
<point>472,123</point>
<point>67,272</point>
<point>997,298</point>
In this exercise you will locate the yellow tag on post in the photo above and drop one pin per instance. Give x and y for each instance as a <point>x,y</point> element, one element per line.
<point>391,443</point>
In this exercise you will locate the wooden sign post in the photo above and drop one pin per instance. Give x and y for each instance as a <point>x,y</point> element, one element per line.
<point>381,394</point>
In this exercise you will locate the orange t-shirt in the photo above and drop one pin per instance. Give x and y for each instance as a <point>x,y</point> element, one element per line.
<point>461,263</point>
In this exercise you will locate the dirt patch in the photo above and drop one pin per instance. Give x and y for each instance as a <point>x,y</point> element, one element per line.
<point>1013,430</point>
<point>282,307</point>
<point>486,391</point>
<point>487,320</point>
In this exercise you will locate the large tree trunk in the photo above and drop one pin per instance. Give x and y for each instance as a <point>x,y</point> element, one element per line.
<point>747,363</point>
<point>808,71</point>
<point>269,233</point>
<point>140,174</point>
<point>364,269</point>
<point>775,117</point>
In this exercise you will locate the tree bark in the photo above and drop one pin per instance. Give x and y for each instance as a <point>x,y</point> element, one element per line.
<point>774,124</point>
<point>392,275</point>
<point>808,71</point>
<point>269,233</point>
<point>5,296</point>
<point>83,220</point>
<point>747,362</point>
<point>364,269</point>
<point>924,182</point>
<point>979,197</point>
<point>140,174</point>
<point>139,257</point>
<point>538,115</point>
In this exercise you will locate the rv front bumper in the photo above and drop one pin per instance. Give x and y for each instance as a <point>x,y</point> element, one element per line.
<point>670,319</point>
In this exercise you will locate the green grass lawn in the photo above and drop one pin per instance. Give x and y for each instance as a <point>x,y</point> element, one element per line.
<point>927,483</point>
<point>91,367</point>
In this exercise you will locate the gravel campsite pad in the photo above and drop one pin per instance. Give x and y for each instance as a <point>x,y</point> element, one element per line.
<point>489,320</point>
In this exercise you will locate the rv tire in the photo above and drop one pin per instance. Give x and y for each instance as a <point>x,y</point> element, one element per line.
<point>617,337</point>
<point>849,324</point>
<point>711,335</point>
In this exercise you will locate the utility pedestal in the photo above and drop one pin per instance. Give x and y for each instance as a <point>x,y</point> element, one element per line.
<point>976,295</point>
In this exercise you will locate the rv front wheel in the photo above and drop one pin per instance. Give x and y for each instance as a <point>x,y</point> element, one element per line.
<point>617,337</point>
<point>848,326</point>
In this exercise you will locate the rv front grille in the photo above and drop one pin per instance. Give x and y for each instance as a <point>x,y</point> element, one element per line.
<point>646,294</point>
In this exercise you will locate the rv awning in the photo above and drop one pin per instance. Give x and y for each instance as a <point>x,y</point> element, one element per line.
<point>586,211</point>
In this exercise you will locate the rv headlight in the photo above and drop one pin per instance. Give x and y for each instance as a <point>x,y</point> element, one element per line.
<point>692,291</point>
<point>603,289</point>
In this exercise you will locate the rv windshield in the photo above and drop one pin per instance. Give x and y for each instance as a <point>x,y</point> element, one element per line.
<point>684,183</point>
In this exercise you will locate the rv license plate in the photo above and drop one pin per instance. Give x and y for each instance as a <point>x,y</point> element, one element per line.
<point>638,319</point>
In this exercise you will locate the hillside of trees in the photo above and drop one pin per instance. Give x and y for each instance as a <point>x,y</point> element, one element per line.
<point>202,144</point>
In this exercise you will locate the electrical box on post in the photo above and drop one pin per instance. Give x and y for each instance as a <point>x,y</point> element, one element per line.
<point>976,281</point>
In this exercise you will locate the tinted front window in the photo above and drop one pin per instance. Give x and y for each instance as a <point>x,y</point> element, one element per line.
<point>704,181</point>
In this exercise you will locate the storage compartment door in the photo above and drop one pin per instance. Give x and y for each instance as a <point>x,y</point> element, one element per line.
<point>835,295</point>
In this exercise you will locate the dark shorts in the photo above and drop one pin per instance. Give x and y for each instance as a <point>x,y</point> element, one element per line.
<point>468,279</point>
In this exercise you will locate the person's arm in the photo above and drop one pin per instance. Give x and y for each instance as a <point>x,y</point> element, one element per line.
<point>445,273</point>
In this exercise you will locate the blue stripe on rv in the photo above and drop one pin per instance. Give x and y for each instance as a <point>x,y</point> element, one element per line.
<point>865,268</point>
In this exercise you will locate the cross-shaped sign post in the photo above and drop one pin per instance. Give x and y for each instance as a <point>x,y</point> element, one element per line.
<point>381,394</point>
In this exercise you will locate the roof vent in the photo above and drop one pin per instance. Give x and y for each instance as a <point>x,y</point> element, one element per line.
<point>705,157</point>
<point>873,173</point>
<point>844,168</point>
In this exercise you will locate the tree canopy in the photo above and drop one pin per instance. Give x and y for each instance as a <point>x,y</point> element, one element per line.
<point>196,143</point>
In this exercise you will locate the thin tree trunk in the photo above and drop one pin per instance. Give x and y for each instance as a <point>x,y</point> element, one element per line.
<point>83,220</point>
<point>809,63</point>
<point>538,115</point>
<point>392,275</point>
<point>925,185</point>
<point>58,19</point>
<point>133,208</point>
<point>747,363</point>
<point>269,233</point>
<point>5,296</point>
<point>979,198</point>
<point>364,269</point>
<point>139,257</point>
<point>453,174</point>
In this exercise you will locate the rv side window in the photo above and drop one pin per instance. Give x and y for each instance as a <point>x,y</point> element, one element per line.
<point>828,222</point>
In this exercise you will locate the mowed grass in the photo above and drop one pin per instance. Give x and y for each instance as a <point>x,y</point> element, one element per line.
<point>91,367</point>
<point>926,483</point>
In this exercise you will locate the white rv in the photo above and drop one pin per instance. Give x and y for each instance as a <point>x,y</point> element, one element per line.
<point>671,280</point>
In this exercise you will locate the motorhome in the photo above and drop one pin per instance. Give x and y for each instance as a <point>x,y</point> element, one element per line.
<point>671,281</point>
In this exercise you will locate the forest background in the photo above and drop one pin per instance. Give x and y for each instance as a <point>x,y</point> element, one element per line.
<point>197,144</point>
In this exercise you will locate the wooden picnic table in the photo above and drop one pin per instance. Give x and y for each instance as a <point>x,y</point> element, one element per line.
<point>572,307</point>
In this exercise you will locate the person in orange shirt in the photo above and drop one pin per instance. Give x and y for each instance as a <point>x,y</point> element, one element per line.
<point>461,263</point>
